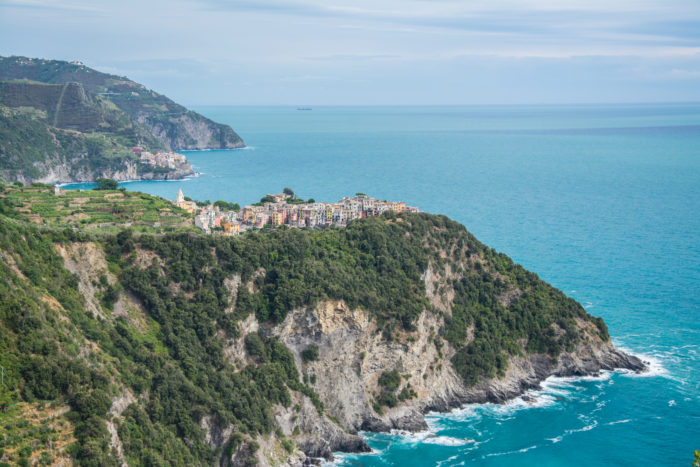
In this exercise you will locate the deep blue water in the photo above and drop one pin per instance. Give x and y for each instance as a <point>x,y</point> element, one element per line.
<point>601,201</point>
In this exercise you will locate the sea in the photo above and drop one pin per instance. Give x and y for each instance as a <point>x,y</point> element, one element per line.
<point>602,201</point>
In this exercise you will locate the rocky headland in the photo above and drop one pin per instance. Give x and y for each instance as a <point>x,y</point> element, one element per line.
<point>279,347</point>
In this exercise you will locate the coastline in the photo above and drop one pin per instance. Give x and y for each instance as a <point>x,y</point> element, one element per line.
<point>346,382</point>
<point>550,393</point>
<point>189,177</point>
<point>213,149</point>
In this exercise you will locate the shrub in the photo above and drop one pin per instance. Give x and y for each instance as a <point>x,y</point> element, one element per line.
<point>106,184</point>
<point>310,354</point>
<point>390,380</point>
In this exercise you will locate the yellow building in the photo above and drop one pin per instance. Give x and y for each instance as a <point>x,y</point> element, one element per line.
<point>232,227</point>
<point>398,207</point>
<point>276,218</point>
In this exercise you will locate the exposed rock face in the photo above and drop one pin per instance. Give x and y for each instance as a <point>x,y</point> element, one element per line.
<point>119,404</point>
<point>87,261</point>
<point>63,171</point>
<point>352,356</point>
<point>527,373</point>
<point>318,436</point>
<point>191,131</point>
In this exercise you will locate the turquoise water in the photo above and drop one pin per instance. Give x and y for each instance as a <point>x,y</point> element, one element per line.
<point>601,201</point>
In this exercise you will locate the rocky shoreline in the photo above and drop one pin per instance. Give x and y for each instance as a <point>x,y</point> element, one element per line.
<point>499,392</point>
<point>131,171</point>
<point>353,356</point>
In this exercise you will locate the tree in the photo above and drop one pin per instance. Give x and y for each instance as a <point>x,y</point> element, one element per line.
<point>106,184</point>
<point>696,462</point>
<point>310,354</point>
<point>288,191</point>
<point>226,206</point>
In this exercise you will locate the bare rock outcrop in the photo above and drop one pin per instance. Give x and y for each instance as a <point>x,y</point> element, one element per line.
<point>353,355</point>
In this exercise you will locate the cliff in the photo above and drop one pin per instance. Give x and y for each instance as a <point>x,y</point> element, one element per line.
<point>274,347</point>
<point>33,150</point>
<point>64,122</point>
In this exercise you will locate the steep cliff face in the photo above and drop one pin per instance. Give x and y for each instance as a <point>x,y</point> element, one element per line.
<point>59,170</point>
<point>66,172</point>
<point>33,150</point>
<point>190,131</point>
<point>353,357</point>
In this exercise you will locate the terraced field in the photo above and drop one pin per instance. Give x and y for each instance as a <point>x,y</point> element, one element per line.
<point>108,210</point>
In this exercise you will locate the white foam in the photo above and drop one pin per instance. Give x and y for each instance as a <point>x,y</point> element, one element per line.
<point>447,441</point>
<point>449,459</point>
<point>671,403</point>
<point>652,362</point>
<point>342,458</point>
<point>553,390</point>
<point>494,454</point>
<point>412,438</point>
<point>619,421</point>
<point>582,429</point>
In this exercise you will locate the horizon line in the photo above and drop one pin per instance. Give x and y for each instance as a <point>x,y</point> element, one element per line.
<point>555,104</point>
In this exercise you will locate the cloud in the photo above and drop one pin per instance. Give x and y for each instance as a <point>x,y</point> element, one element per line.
<point>356,57</point>
<point>52,5</point>
<point>681,74</point>
<point>384,50</point>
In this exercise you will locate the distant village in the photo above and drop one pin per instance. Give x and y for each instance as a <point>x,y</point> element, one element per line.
<point>285,209</point>
<point>161,159</point>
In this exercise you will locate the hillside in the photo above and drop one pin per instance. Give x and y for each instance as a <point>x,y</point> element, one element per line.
<point>175,127</point>
<point>63,122</point>
<point>266,348</point>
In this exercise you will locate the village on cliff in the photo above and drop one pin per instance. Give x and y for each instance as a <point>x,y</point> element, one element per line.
<point>285,209</point>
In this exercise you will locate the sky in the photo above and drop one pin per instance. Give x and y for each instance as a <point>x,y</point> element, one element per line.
<point>374,52</point>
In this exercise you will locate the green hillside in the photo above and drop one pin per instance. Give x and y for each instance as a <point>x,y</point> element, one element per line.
<point>174,126</point>
<point>65,122</point>
<point>90,319</point>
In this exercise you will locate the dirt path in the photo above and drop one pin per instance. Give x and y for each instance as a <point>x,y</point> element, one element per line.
<point>58,104</point>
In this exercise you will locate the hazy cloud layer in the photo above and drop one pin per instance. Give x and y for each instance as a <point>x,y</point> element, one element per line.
<point>374,52</point>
